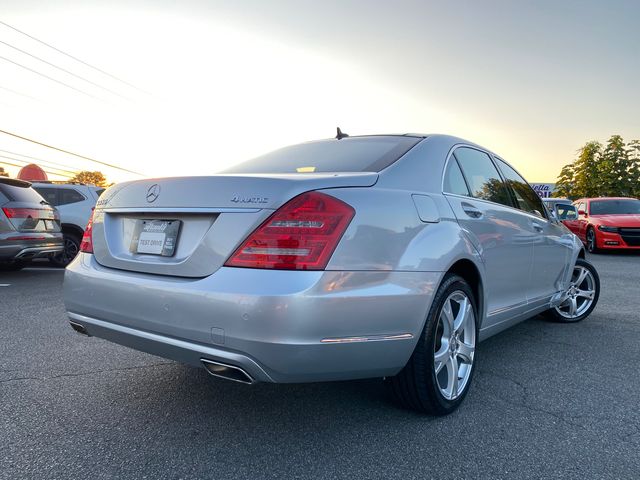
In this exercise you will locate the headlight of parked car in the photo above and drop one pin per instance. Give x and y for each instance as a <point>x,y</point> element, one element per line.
<point>604,228</point>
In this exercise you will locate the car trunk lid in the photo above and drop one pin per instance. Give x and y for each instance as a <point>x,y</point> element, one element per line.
<point>188,226</point>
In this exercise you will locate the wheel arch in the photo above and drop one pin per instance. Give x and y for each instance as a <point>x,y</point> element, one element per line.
<point>70,228</point>
<point>468,270</point>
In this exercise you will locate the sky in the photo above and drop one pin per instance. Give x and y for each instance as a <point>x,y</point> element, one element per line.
<point>192,87</point>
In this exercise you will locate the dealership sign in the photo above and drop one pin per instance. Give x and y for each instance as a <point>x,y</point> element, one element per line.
<point>545,190</point>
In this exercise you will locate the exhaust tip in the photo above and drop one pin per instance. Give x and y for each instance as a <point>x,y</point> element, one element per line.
<point>229,372</point>
<point>79,328</point>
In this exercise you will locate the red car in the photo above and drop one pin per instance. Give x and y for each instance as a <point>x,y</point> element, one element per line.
<point>607,223</point>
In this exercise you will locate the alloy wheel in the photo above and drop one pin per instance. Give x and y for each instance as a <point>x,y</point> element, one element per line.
<point>580,294</point>
<point>591,240</point>
<point>455,345</point>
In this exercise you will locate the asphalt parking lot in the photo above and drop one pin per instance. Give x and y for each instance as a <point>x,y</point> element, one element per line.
<point>548,401</point>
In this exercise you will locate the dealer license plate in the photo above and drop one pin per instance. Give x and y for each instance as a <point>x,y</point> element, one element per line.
<point>156,237</point>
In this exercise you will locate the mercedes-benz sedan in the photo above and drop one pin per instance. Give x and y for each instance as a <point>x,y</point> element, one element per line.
<point>355,257</point>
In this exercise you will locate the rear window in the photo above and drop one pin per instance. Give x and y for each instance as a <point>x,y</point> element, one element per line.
<point>20,194</point>
<point>351,154</point>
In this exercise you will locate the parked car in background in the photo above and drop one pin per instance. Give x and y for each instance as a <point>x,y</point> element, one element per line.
<point>29,226</point>
<point>607,223</point>
<point>355,257</point>
<point>551,203</point>
<point>75,202</point>
<point>568,215</point>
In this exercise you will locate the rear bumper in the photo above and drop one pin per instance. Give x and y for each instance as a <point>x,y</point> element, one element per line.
<point>30,248</point>
<point>277,326</point>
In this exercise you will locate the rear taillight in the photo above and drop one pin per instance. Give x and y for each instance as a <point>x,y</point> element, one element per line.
<point>86,245</point>
<point>300,235</point>
<point>34,213</point>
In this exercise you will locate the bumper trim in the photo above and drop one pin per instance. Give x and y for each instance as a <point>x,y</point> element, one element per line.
<point>373,338</point>
<point>169,347</point>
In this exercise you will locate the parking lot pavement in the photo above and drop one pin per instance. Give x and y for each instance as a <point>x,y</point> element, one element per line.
<point>548,401</point>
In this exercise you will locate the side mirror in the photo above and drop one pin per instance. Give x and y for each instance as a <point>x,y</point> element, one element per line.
<point>554,216</point>
<point>582,212</point>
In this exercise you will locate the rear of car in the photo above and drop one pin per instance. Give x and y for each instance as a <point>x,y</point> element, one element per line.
<point>29,226</point>
<point>255,272</point>
<point>74,202</point>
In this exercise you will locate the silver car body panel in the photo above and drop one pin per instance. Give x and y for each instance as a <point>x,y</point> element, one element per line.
<point>360,317</point>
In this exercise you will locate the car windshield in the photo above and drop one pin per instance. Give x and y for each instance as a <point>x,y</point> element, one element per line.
<point>615,207</point>
<point>18,193</point>
<point>352,154</point>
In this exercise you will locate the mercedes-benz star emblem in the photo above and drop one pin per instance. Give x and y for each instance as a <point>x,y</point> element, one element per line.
<point>153,193</point>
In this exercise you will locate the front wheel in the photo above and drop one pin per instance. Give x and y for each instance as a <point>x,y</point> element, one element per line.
<point>580,297</point>
<point>592,244</point>
<point>437,377</point>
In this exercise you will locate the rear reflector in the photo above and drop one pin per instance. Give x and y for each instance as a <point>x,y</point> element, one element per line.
<point>86,245</point>
<point>300,235</point>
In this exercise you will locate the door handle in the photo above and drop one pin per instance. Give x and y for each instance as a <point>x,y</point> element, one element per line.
<point>537,227</point>
<point>470,210</point>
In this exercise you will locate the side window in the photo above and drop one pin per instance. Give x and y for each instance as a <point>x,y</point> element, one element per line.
<point>99,192</point>
<point>483,178</point>
<point>527,199</point>
<point>453,179</point>
<point>566,212</point>
<point>49,194</point>
<point>69,195</point>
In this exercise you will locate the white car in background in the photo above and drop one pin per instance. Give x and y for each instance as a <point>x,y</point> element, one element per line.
<point>75,202</point>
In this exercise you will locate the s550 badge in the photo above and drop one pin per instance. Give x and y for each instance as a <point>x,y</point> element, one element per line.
<point>243,199</point>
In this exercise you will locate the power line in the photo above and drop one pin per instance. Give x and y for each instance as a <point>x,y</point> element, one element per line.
<point>19,93</point>
<point>46,171</point>
<point>49,78</point>
<point>46,166</point>
<point>71,153</point>
<point>63,69</point>
<point>71,56</point>
<point>40,160</point>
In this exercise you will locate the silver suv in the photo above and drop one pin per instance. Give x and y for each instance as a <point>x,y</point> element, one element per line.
<point>74,201</point>
<point>29,226</point>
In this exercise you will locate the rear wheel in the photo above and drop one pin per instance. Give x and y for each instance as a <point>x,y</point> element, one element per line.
<point>71,249</point>
<point>437,377</point>
<point>592,244</point>
<point>581,296</point>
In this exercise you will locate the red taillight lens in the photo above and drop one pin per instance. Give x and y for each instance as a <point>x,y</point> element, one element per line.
<point>35,213</point>
<point>300,235</point>
<point>86,245</point>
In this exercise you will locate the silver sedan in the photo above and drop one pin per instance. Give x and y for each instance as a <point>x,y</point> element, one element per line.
<point>354,257</point>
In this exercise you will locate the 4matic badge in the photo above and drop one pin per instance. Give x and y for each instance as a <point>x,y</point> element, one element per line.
<point>248,199</point>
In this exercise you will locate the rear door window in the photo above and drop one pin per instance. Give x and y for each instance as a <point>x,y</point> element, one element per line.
<point>453,179</point>
<point>526,198</point>
<point>49,194</point>
<point>69,195</point>
<point>351,154</point>
<point>482,176</point>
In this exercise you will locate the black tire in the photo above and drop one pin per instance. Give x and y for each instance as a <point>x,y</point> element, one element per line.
<point>71,249</point>
<point>592,243</point>
<point>556,316</point>
<point>12,266</point>
<point>416,387</point>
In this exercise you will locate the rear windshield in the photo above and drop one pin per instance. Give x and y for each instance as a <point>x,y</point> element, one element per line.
<point>20,194</point>
<point>615,207</point>
<point>352,154</point>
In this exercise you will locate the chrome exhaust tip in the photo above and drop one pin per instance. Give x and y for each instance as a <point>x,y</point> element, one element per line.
<point>79,328</point>
<point>229,372</point>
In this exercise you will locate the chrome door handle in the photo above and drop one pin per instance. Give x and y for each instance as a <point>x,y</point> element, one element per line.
<point>470,210</point>
<point>537,227</point>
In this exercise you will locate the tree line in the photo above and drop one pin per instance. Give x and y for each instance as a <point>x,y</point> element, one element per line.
<point>611,170</point>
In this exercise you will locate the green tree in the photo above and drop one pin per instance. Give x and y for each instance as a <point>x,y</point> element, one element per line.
<point>564,184</point>
<point>633,147</point>
<point>614,169</point>
<point>94,178</point>
<point>586,167</point>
